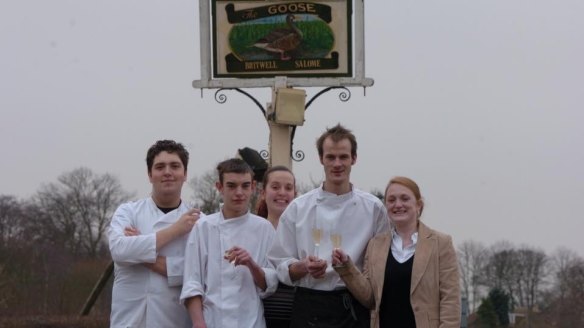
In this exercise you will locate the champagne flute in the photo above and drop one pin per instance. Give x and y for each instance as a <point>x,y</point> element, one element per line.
<point>336,239</point>
<point>335,234</point>
<point>227,255</point>
<point>316,236</point>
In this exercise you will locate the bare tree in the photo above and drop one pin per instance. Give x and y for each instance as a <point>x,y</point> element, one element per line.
<point>80,206</point>
<point>532,270</point>
<point>471,258</point>
<point>521,273</point>
<point>500,269</point>
<point>10,214</point>
<point>575,294</point>
<point>306,187</point>
<point>5,281</point>
<point>568,290</point>
<point>32,266</point>
<point>206,196</point>
<point>12,240</point>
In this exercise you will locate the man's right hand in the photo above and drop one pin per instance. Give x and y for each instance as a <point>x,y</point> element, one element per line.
<point>309,265</point>
<point>316,267</point>
<point>182,226</point>
<point>187,221</point>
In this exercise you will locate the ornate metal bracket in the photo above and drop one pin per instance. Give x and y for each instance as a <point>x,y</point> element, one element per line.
<point>264,154</point>
<point>221,98</point>
<point>298,155</point>
<point>344,96</point>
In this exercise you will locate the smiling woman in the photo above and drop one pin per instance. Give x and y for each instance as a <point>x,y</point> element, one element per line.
<point>400,267</point>
<point>278,190</point>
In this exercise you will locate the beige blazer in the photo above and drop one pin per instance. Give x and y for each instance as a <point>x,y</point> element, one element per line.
<point>435,286</point>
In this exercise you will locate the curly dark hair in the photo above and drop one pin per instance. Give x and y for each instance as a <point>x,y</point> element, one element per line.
<point>169,146</point>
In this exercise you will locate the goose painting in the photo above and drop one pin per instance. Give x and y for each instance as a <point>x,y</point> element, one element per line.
<point>281,40</point>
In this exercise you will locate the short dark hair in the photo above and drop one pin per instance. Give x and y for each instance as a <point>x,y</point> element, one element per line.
<point>233,165</point>
<point>337,133</point>
<point>169,146</point>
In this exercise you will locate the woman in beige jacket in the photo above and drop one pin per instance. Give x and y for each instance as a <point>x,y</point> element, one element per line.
<point>410,275</point>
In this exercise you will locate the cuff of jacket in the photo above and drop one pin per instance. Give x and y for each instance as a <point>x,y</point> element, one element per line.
<point>346,269</point>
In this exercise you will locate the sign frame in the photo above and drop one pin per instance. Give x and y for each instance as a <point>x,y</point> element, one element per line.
<point>209,81</point>
<point>252,38</point>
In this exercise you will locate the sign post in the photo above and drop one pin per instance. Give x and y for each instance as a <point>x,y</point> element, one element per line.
<point>283,45</point>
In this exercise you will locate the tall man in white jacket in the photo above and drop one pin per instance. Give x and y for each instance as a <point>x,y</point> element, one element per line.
<point>313,223</point>
<point>147,239</point>
<point>226,266</point>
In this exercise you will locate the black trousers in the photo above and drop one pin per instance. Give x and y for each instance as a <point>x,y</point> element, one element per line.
<point>328,309</point>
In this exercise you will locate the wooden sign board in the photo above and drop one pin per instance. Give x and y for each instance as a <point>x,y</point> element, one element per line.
<point>253,38</point>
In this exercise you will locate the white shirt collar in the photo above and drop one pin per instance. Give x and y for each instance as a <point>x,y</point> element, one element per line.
<point>399,253</point>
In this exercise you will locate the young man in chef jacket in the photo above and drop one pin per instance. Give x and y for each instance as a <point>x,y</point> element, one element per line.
<point>227,272</point>
<point>147,239</point>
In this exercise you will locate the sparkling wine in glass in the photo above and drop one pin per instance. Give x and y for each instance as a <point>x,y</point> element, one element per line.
<point>336,239</point>
<point>227,256</point>
<point>316,236</point>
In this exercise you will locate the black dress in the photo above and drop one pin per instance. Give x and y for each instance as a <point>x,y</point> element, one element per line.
<point>278,307</point>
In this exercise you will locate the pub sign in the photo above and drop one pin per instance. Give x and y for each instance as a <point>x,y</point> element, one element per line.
<point>253,38</point>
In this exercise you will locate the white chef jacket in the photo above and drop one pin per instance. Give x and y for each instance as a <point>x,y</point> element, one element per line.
<point>230,296</point>
<point>356,215</point>
<point>141,297</point>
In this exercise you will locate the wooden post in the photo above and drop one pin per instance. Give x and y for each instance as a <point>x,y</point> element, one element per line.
<point>279,145</point>
<point>97,289</point>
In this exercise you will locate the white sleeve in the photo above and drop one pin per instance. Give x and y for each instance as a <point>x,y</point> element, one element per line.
<point>195,264</point>
<point>269,270</point>
<point>381,219</point>
<point>175,266</point>
<point>129,250</point>
<point>284,249</point>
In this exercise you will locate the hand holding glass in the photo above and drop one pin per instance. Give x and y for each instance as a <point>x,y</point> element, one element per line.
<point>228,256</point>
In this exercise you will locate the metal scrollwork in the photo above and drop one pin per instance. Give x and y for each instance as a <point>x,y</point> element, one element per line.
<point>221,98</point>
<point>264,154</point>
<point>345,95</point>
<point>297,156</point>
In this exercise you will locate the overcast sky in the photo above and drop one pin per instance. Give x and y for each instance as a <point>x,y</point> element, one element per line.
<point>480,102</point>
